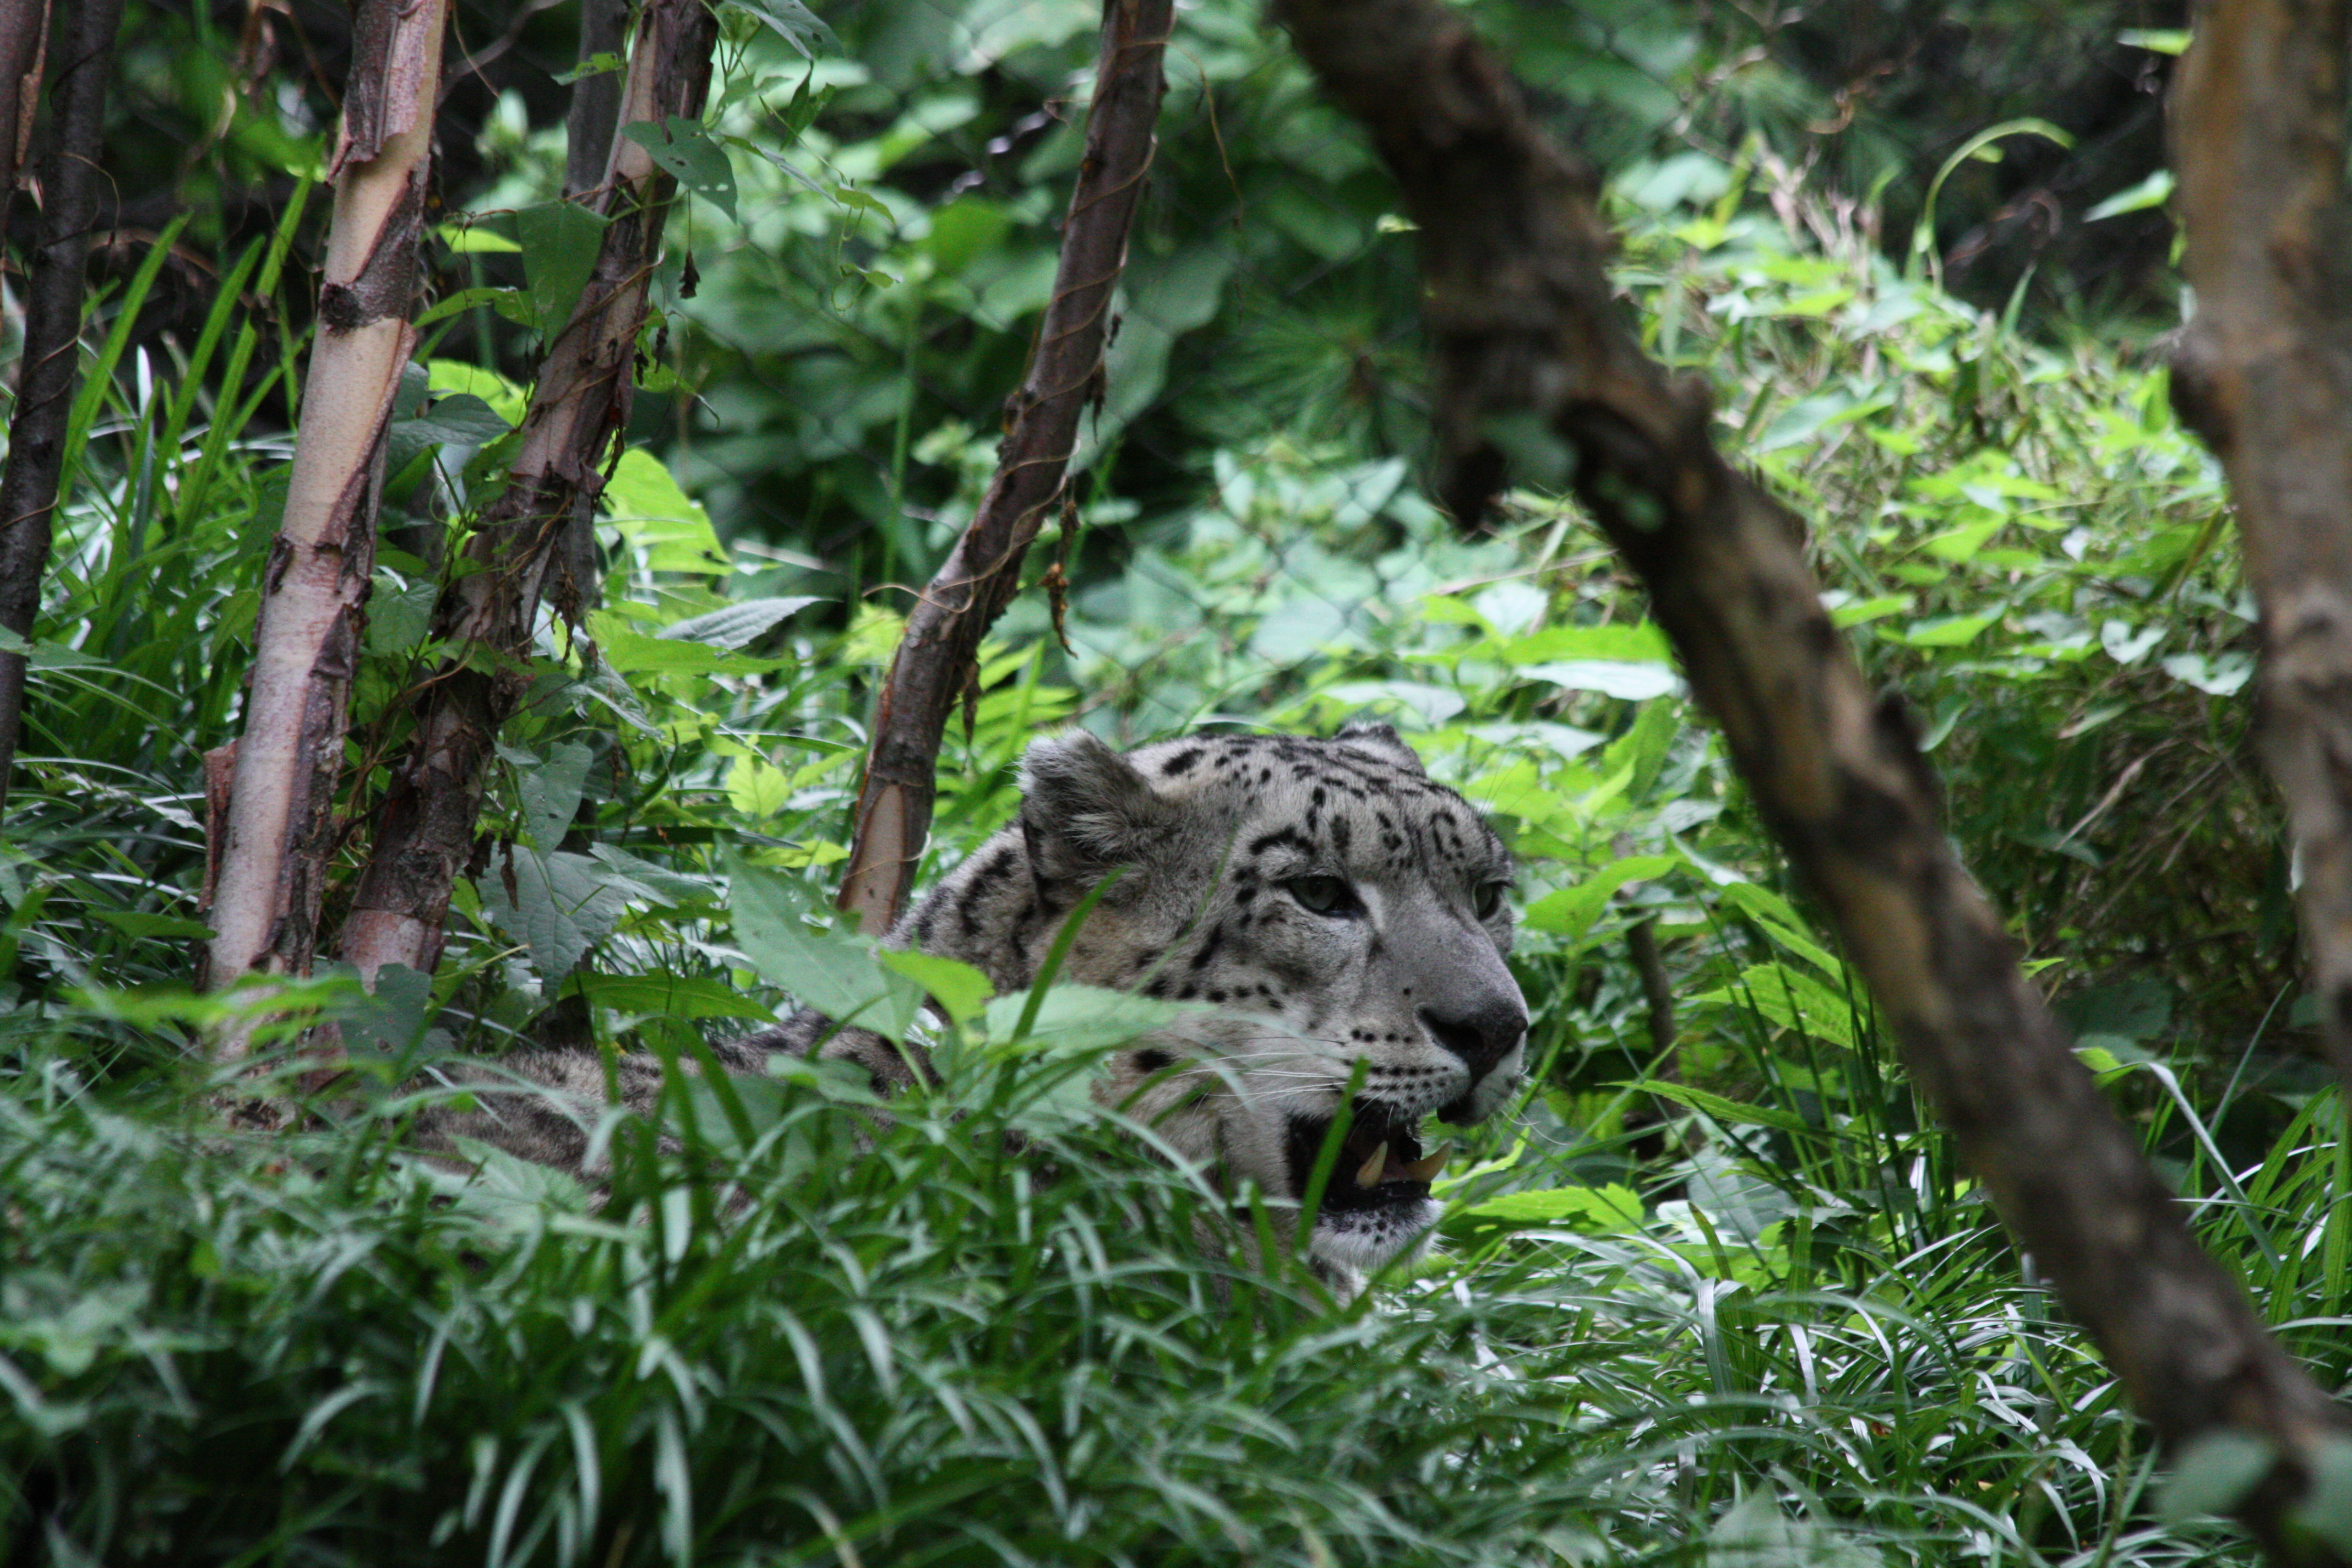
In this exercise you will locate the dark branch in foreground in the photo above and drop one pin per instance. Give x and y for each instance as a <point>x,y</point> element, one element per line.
<point>36,433</point>
<point>938,656</point>
<point>2264,374</point>
<point>1534,365</point>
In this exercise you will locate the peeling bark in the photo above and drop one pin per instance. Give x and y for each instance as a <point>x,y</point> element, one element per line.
<point>1534,364</point>
<point>425,832</point>
<point>45,381</point>
<point>273,865</point>
<point>2264,374</point>
<point>939,653</point>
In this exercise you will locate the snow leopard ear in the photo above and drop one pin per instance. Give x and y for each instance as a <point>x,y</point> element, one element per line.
<point>1085,808</point>
<point>1375,739</point>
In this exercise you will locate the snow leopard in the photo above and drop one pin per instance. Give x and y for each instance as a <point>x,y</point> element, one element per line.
<point>1340,919</point>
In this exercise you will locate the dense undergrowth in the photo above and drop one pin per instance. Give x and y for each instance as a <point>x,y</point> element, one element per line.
<point>1734,1304</point>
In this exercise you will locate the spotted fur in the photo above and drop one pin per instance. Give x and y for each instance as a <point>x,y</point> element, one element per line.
<point>1339,913</point>
<point>1223,843</point>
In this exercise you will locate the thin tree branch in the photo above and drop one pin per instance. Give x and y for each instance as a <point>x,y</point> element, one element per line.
<point>1657,993</point>
<point>939,653</point>
<point>2264,374</point>
<point>1534,365</point>
<point>45,382</point>
<point>425,832</point>
<point>273,866</point>
<point>595,111</point>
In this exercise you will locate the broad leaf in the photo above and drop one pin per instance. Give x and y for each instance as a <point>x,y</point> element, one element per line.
<point>559,251</point>
<point>684,151</point>
<point>837,976</point>
<point>555,904</point>
<point>738,624</point>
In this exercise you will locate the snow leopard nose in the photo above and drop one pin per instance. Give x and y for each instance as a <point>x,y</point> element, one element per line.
<point>1482,1032</point>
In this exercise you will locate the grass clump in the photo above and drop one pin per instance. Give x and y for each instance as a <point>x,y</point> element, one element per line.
<point>987,1332</point>
<point>790,1348</point>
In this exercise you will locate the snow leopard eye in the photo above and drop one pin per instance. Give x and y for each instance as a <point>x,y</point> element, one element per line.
<point>1487,900</point>
<point>1322,895</point>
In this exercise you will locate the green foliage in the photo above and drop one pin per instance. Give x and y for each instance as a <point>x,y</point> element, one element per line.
<point>1731,1302</point>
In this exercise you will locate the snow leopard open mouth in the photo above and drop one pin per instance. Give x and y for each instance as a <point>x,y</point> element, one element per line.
<point>1380,1163</point>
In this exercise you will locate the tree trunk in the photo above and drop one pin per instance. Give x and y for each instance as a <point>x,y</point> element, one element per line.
<point>1529,347</point>
<point>24,36</point>
<point>273,868</point>
<point>2264,374</point>
<point>425,832</point>
<point>939,654</point>
<point>45,381</point>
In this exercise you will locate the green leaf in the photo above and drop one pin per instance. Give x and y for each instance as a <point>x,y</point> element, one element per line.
<point>1755,1533</point>
<point>1571,911</point>
<point>1959,544</point>
<point>2225,674</point>
<point>2103,1063</point>
<point>1950,631</point>
<point>963,230</point>
<point>476,241</point>
<point>1777,920</point>
<point>559,250</point>
<point>398,616</point>
<point>2126,645</point>
<point>792,22</point>
<point>837,976</point>
<point>1610,677</point>
<point>1730,1112</point>
<point>1596,1210</point>
<point>509,303</point>
<point>141,924</point>
<point>684,150</point>
<point>511,1191</point>
<point>635,653</point>
<point>449,378</point>
<point>1790,999</point>
<point>1641,643</point>
<point>394,1016</point>
<point>2152,192</point>
<point>555,904</point>
<point>458,419</point>
<point>550,790</point>
<point>738,624</point>
<point>1644,747</point>
<point>2137,1006</point>
<point>960,988</point>
<point>670,530</point>
<point>1083,1017</point>
<point>1853,612</point>
<point>50,655</point>
<point>669,996</point>
<point>604,62</point>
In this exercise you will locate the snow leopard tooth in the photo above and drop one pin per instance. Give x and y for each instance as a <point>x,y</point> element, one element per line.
<point>1369,1171</point>
<point>1424,1170</point>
